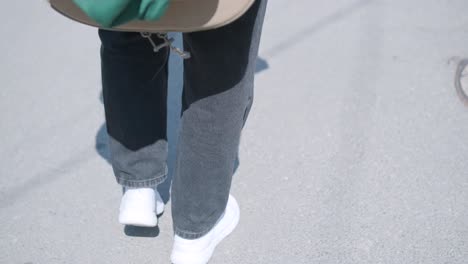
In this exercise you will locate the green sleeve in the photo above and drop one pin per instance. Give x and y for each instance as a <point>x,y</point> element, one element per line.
<point>151,10</point>
<point>111,13</point>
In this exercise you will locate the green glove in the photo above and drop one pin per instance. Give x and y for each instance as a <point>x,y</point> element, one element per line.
<point>111,13</point>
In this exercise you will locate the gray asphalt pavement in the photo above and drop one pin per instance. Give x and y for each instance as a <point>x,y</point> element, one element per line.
<point>355,150</point>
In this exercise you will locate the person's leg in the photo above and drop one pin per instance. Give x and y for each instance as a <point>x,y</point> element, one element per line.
<point>134,83</point>
<point>217,96</point>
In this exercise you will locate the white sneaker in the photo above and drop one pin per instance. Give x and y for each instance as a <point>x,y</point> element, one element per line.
<point>200,250</point>
<point>140,207</point>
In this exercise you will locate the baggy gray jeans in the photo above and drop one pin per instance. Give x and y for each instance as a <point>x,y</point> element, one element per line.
<point>216,100</point>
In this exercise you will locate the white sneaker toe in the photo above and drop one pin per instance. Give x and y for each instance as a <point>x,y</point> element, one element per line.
<point>200,250</point>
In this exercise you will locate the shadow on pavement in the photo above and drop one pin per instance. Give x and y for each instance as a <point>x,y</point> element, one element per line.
<point>136,231</point>
<point>302,35</point>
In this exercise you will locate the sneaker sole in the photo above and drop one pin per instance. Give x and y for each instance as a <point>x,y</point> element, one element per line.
<point>139,223</point>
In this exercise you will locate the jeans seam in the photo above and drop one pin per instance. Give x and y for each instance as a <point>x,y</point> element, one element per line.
<point>191,235</point>
<point>143,183</point>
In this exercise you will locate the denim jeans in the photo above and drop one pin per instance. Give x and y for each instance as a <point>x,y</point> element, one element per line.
<point>216,99</point>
